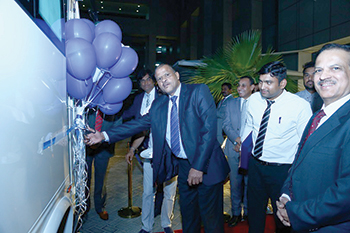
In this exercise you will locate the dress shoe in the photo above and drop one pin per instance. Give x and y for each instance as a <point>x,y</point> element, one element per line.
<point>143,231</point>
<point>234,221</point>
<point>244,218</point>
<point>168,230</point>
<point>103,215</point>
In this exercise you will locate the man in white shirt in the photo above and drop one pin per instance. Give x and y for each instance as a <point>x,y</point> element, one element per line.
<point>226,91</point>
<point>277,119</point>
<point>316,193</point>
<point>234,121</point>
<point>310,94</point>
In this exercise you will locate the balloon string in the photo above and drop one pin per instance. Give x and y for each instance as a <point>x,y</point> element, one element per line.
<point>92,97</point>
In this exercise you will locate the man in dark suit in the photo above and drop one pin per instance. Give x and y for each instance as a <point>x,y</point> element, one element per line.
<point>316,193</point>
<point>99,155</point>
<point>185,144</point>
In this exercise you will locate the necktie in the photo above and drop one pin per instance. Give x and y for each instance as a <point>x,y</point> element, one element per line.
<point>243,115</point>
<point>147,100</point>
<point>174,128</point>
<point>313,127</point>
<point>314,124</point>
<point>262,130</point>
<point>99,120</point>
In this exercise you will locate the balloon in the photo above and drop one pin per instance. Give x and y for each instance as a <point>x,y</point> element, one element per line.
<point>78,89</point>
<point>116,90</point>
<point>81,58</point>
<point>126,64</point>
<point>77,28</point>
<point>108,49</point>
<point>58,29</point>
<point>111,109</point>
<point>108,26</point>
<point>91,26</point>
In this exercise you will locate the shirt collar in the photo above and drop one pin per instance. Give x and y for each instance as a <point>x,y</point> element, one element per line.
<point>177,92</point>
<point>333,107</point>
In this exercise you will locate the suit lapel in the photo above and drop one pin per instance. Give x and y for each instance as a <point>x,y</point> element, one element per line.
<point>327,127</point>
<point>182,101</point>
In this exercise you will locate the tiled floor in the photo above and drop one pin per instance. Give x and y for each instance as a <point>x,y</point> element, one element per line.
<point>117,190</point>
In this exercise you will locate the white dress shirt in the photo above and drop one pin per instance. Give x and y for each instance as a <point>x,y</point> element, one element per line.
<point>288,118</point>
<point>144,108</point>
<point>332,108</point>
<point>168,136</point>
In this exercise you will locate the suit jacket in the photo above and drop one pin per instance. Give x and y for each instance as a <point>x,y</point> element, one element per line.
<point>319,179</point>
<point>232,123</point>
<point>134,110</point>
<point>197,119</point>
<point>105,149</point>
<point>220,113</point>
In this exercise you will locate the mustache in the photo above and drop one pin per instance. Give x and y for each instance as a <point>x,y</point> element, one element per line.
<point>326,81</point>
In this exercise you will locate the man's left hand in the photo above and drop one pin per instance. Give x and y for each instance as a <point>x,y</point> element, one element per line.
<point>195,177</point>
<point>282,212</point>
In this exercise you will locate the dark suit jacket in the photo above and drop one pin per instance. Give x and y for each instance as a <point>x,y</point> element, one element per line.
<point>134,110</point>
<point>320,177</point>
<point>197,116</point>
<point>105,149</point>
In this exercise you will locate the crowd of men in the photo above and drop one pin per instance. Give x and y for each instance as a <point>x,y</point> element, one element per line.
<point>298,147</point>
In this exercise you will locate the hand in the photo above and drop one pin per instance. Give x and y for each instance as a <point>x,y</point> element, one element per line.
<point>237,147</point>
<point>282,212</point>
<point>93,138</point>
<point>129,156</point>
<point>195,177</point>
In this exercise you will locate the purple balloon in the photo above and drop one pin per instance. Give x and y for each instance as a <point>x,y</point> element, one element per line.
<point>108,49</point>
<point>77,28</point>
<point>111,109</point>
<point>126,64</point>
<point>117,89</point>
<point>108,26</point>
<point>78,89</point>
<point>91,26</point>
<point>81,58</point>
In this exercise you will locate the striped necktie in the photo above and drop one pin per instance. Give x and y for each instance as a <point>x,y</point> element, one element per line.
<point>99,120</point>
<point>262,130</point>
<point>174,128</point>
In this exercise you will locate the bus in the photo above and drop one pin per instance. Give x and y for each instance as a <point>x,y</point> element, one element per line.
<point>37,162</point>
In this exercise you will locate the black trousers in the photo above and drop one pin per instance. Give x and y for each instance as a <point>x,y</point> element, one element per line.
<point>264,182</point>
<point>200,203</point>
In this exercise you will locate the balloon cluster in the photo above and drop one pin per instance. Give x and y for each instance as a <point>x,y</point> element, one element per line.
<point>98,64</point>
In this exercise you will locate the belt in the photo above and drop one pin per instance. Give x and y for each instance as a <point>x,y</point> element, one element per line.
<point>268,163</point>
<point>147,160</point>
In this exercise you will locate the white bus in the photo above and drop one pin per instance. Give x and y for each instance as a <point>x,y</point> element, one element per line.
<point>36,163</point>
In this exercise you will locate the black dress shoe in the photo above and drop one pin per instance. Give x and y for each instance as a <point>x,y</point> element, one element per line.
<point>244,218</point>
<point>234,221</point>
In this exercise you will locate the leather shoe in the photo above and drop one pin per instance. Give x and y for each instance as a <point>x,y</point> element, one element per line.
<point>103,215</point>
<point>143,231</point>
<point>234,221</point>
<point>244,218</point>
<point>168,230</point>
